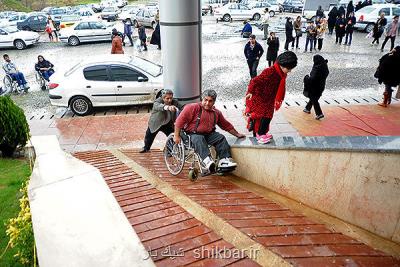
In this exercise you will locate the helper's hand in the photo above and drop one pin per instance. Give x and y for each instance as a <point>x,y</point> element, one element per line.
<point>177,139</point>
<point>249,96</point>
<point>240,135</point>
<point>172,108</point>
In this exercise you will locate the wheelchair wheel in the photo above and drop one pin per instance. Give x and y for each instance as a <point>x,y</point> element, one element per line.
<point>174,155</point>
<point>40,81</point>
<point>193,174</point>
<point>7,86</point>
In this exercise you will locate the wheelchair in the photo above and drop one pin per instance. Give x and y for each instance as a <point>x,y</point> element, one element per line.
<point>10,85</point>
<point>176,155</point>
<point>41,81</point>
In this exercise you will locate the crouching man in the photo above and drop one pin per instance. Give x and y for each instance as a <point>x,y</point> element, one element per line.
<point>199,120</point>
<point>162,118</point>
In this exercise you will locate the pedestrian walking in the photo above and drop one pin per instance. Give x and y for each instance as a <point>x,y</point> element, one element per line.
<point>247,29</point>
<point>349,9</point>
<point>321,30</point>
<point>314,85</point>
<point>379,28</point>
<point>332,17</point>
<point>127,31</point>
<point>388,74</point>
<point>116,45</point>
<point>391,32</point>
<point>51,30</point>
<point>297,30</point>
<point>253,51</point>
<point>341,11</point>
<point>273,48</point>
<point>340,29</point>
<point>156,36</point>
<point>320,12</point>
<point>289,33</point>
<point>350,22</point>
<point>142,36</point>
<point>310,31</point>
<point>266,93</point>
<point>266,23</point>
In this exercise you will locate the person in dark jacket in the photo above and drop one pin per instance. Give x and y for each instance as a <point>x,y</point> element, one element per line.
<point>358,6</point>
<point>332,16</point>
<point>340,29</point>
<point>350,22</point>
<point>314,85</point>
<point>253,51</point>
<point>320,12</point>
<point>379,28</point>
<point>45,67</point>
<point>349,9</point>
<point>142,36</point>
<point>273,48</point>
<point>289,33</point>
<point>116,45</point>
<point>247,29</point>
<point>388,74</point>
<point>341,11</point>
<point>127,31</point>
<point>156,37</point>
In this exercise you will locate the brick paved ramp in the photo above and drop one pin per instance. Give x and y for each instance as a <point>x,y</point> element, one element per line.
<point>355,120</point>
<point>160,222</point>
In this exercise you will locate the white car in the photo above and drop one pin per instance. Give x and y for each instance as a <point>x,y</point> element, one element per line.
<point>112,80</point>
<point>128,12</point>
<point>236,12</point>
<point>367,16</point>
<point>261,6</point>
<point>86,31</point>
<point>12,37</point>
<point>13,20</point>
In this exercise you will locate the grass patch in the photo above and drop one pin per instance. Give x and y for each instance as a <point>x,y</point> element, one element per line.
<point>13,172</point>
<point>13,5</point>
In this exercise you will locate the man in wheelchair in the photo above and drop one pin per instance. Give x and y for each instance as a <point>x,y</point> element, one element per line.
<point>44,67</point>
<point>199,120</point>
<point>11,70</point>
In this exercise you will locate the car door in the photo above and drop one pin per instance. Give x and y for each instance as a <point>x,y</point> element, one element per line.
<point>98,86</point>
<point>395,11</point>
<point>245,12</point>
<point>147,18</point>
<point>234,11</point>
<point>131,85</point>
<point>41,23</point>
<point>5,39</point>
<point>386,10</point>
<point>100,31</point>
<point>84,32</point>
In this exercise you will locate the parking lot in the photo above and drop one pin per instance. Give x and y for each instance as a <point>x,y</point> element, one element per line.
<point>224,66</point>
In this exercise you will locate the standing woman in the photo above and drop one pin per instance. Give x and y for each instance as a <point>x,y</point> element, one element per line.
<point>142,36</point>
<point>127,31</point>
<point>350,8</point>
<point>266,93</point>
<point>116,46</point>
<point>53,29</point>
<point>332,16</point>
<point>340,29</point>
<point>156,36</point>
<point>314,85</point>
<point>297,30</point>
<point>350,22</point>
<point>289,33</point>
<point>273,48</point>
<point>379,28</point>
<point>321,30</point>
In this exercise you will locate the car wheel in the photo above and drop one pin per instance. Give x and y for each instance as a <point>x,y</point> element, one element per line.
<point>370,27</point>
<point>73,41</point>
<point>256,16</point>
<point>19,44</point>
<point>81,106</point>
<point>226,18</point>
<point>272,13</point>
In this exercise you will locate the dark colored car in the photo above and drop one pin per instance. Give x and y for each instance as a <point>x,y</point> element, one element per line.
<point>35,23</point>
<point>292,6</point>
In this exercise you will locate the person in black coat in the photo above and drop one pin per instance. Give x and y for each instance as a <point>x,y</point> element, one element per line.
<point>273,48</point>
<point>314,85</point>
<point>379,28</point>
<point>142,36</point>
<point>320,12</point>
<point>341,11</point>
<point>332,16</point>
<point>289,33</point>
<point>387,73</point>
<point>45,68</point>
<point>156,37</point>
<point>350,9</point>
<point>350,22</point>
<point>253,52</point>
<point>340,29</point>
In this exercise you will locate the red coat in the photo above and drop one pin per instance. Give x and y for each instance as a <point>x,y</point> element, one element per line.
<point>264,88</point>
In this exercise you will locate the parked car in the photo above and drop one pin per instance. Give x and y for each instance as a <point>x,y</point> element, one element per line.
<point>110,13</point>
<point>367,16</point>
<point>114,80</point>
<point>12,37</point>
<point>35,23</point>
<point>13,20</point>
<point>236,11</point>
<point>128,12</point>
<point>69,20</point>
<point>97,8</point>
<point>86,31</point>
<point>261,6</point>
<point>57,13</point>
<point>145,17</point>
<point>310,7</point>
<point>293,6</point>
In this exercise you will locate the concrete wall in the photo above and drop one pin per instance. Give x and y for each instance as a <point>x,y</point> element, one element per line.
<point>360,188</point>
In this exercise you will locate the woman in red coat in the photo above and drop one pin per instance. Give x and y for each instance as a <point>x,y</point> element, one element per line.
<point>265,94</point>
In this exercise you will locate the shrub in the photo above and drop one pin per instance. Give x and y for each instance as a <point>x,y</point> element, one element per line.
<point>14,129</point>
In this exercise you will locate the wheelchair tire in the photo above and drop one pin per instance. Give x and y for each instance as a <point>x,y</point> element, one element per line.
<point>174,156</point>
<point>193,174</point>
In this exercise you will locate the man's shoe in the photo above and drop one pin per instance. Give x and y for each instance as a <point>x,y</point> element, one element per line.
<point>226,163</point>
<point>209,165</point>
<point>320,117</point>
<point>306,111</point>
<point>144,150</point>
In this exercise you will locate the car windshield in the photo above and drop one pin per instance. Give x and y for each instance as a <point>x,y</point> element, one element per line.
<point>108,9</point>
<point>10,29</point>
<point>147,66</point>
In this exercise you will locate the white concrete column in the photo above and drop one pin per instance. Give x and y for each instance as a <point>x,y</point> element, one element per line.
<point>180,22</point>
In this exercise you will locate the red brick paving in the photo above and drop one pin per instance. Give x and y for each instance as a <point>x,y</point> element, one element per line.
<point>291,235</point>
<point>159,222</point>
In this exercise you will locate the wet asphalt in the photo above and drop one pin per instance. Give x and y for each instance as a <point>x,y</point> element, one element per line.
<point>224,66</point>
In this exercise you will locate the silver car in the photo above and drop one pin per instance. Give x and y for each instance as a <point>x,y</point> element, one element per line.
<point>145,17</point>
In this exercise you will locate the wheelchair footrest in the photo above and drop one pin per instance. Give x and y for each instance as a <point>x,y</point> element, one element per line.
<point>226,169</point>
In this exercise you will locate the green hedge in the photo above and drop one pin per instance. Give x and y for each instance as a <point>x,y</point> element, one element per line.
<point>14,129</point>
